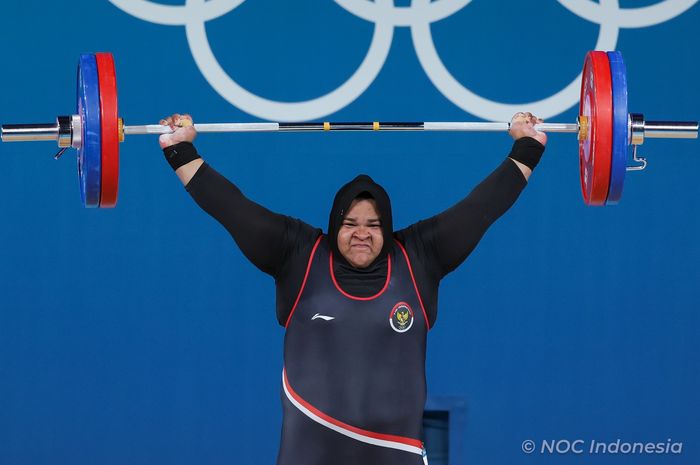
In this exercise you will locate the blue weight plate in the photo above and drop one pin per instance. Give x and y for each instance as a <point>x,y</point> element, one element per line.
<point>89,155</point>
<point>620,129</point>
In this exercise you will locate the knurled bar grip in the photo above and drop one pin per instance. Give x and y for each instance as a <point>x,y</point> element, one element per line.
<point>330,126</point>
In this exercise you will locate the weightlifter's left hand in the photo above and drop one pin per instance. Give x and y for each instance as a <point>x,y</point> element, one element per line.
<point>183,130</point>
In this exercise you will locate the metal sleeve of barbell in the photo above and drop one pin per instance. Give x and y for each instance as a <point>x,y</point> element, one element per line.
<point>350,126</point>
<point>30,132</point>
<point>671,129</point>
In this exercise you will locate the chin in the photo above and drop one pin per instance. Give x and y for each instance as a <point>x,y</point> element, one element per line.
<point>362,262</point>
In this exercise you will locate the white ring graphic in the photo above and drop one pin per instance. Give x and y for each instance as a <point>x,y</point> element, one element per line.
<point>286,111</point>
<point>174,15</point>
<point>385,16</point>
<point>628,17</point>
<point>489,109</point>
<point>403,16</point>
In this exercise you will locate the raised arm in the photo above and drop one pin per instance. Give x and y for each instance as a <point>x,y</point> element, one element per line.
<point>267,239</point>
<point>444,241</point>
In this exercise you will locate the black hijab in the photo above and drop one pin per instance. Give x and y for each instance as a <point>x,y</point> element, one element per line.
<point>362,186</point>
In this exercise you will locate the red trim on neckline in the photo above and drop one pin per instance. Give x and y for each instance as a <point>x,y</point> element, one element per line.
<point>303,283</point>
<point>415,286</point>
<point>363,432</point>
<point>350,296</point>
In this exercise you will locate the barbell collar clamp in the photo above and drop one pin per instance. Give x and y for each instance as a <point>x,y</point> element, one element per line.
<point>582,122</point>
<point>636,128</point>
<point>120,126</point>
<point>64,131</point>
<point>642,162</point>
<point>77,132</point>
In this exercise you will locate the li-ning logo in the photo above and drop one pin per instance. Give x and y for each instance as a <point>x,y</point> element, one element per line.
<point>323,317</point>
<point>385,16</point>
<point>401,317</point>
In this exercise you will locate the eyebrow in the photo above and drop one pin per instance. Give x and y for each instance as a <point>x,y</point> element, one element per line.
<point>354,220</point>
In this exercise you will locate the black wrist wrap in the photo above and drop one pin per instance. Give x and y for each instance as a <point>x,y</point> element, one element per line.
<point>180,154</point>
<point>527,151</point>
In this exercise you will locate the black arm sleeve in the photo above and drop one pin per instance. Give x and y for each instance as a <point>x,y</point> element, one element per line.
<point>454,233</point>
<point>440,244</point>
<point>269,240</point>
<point>449,237</point>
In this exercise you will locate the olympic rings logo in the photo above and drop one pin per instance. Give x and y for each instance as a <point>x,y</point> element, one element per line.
<point>418,17</point>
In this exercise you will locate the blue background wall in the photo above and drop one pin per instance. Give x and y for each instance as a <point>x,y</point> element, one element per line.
<point>141,335</point>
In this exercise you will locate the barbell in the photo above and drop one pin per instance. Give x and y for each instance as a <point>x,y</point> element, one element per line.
<point>605,129</point>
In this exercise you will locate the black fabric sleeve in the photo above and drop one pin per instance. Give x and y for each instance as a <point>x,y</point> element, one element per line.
<point>441,243</point>
<point>454,233</point>
<point>269,240</point>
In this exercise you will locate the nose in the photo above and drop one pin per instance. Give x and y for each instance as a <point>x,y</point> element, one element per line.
<point>362,232</point>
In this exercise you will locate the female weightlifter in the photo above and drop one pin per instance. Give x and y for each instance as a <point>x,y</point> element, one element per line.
<point>357,301</point>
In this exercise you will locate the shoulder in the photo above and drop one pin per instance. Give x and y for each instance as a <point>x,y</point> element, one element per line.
<point>416,242</point>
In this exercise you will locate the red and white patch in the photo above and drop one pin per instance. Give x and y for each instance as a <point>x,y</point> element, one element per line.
<point>401,317</point>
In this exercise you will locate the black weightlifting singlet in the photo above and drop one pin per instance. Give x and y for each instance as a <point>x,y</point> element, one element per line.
<point>353,387</point>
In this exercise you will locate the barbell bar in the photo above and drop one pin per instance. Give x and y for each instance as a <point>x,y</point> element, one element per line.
<point>53,131</point>
<point>605,129</point>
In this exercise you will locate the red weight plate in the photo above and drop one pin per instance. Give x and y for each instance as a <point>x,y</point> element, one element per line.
<point>595,150</point>
<point>110,129</point>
